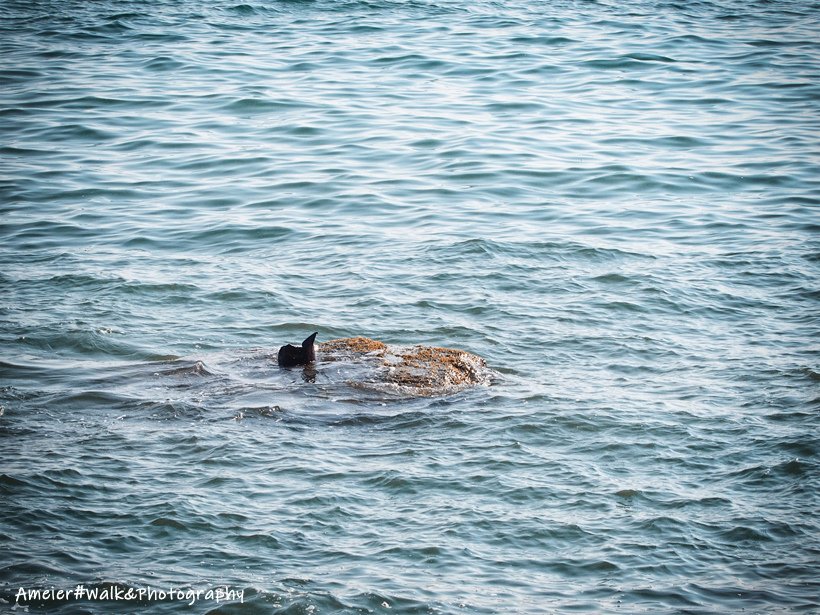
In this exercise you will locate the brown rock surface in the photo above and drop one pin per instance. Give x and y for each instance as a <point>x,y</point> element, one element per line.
<point>415,370</point>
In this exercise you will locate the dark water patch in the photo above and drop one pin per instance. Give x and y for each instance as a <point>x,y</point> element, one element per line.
<point>629,61</point>
<point>10,484</point>
<point>12,76</point>
<point>87,400</point>
<point>89,101</point>
<point>649,57</point>
<point>45,229</point>
<point>682,141</point>
<point>164,37</point>
<point>169,523</point>
<point>403,421</point>
<point>536,250</point>
<point>163,63</point>
<point>548,41</point>
<point>234,237</point>
<point>243,9</point>
<point>125,16</point>
<point>811,374</point>
<point>259,105</point>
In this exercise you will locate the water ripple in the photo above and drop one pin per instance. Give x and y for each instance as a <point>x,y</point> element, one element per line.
<point>615,205</point>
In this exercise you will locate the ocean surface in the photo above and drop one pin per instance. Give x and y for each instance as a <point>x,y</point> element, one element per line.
<point>615,203</point>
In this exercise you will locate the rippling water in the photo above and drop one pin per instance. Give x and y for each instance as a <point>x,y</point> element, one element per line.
<point>614,203</point>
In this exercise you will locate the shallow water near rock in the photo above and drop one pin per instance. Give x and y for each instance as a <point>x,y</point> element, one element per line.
<point>614,204</point>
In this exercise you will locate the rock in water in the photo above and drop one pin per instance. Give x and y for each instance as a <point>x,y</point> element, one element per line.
<point>405,370</point>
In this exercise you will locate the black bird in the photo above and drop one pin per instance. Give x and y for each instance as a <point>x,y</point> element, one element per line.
<point>290,355</point>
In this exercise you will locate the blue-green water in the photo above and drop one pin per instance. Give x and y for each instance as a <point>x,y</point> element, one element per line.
<point>614,203</point>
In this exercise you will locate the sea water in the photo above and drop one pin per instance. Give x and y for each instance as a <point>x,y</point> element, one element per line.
<point>614,203</point>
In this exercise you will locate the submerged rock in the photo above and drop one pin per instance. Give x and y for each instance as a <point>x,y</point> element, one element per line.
<point>405,370</point>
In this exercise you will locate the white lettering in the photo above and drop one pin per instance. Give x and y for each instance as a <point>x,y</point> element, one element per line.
<point>218,593</point>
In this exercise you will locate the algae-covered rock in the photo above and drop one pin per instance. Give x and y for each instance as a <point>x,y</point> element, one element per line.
<point>406,370</point>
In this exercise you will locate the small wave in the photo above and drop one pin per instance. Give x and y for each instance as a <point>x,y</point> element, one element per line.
<point>81,341</point>
<point>259,105</point>
<point>258,412</point>
<point>234,238</point>
<point>82,281</point>
<point>548,41</point>
<point>8,484</point>
<point>171,410</point>
<point>166,37</point>
<point>649,57</point>
<point>536,251</point>
<point>125,16</point>
<point>92,399</point>
<point>12,76</point>
<point>167,522</point>
<point>620,63</point>
<point>243,9</point>
<point>198,368</point>
<point>26,232</point>
<point>163,64</point>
